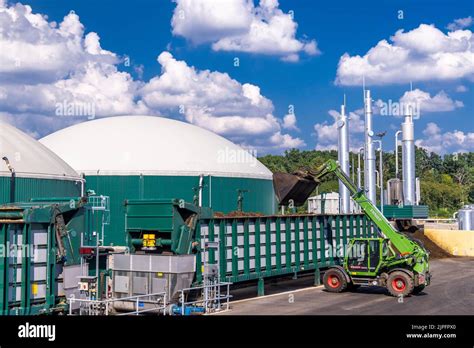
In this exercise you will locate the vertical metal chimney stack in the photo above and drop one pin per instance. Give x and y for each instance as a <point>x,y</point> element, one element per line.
<point>369,152</point>
<point>343,157</point>
<point>408,158</point>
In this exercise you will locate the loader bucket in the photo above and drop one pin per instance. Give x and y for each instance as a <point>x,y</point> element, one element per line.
<point>292,187</point>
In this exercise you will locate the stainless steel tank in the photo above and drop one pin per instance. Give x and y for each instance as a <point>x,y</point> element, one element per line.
<point>466,218</point>
<point>394,191</point>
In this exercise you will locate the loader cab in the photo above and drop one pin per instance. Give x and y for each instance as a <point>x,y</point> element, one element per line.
<point>364,255</point>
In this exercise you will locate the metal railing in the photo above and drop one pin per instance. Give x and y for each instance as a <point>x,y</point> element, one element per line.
<point>434,220</point>
<point>100,307</point>
<point>213,298</point>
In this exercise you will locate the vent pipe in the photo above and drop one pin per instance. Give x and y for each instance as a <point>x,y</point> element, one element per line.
<point>343,157</point>
<point>12,179</point>
<point>369,152</point>
<point>408,158</point>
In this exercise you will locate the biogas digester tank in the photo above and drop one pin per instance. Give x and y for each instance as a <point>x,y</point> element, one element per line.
<point>147,157</point>
<point>38,172</point>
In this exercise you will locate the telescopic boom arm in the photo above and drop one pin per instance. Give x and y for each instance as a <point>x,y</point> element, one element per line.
<point>404,245</point>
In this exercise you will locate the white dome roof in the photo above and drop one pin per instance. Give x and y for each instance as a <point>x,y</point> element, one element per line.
<point>29,158</point>
<point>148,145</point>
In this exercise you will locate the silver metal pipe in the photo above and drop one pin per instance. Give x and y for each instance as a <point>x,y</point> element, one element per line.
<point>359,174</point>
<point>369,158</point>
<point>352,168</point>
<point>396,152</point>
<point>343,157</point>
<point>201,181</point>
<point>417,191</point>
<point>380,173</point>
<point>408,158</point>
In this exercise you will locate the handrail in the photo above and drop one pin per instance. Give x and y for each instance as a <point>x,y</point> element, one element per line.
<point>135,298</point>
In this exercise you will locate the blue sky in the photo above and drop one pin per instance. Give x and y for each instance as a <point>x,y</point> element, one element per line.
<point>142,30</point>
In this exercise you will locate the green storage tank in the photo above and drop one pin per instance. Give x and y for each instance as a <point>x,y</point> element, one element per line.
<point>38,171</point>
<point>147,157</point>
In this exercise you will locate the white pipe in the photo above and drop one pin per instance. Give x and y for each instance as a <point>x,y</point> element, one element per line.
<point>417,191</point>
<point>82,181</point>
<point>408,158</point>
<point>210,191</point>
<point>359,174</point>
<point>201,179</point>
<point>343,157</point>
<point>396,152</point>
<point>380,171</point>
<point>369,158</point>
<point>352,168</point>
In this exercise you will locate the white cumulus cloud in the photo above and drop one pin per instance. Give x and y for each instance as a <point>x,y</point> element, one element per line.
<point>289,121</point>
<point>437,141</point>
<point>240,26</point>
<point>326,132</point>
<point>285,141</point>
<point>48,67</point>
<point>422,54</point>
<point>213,100</point>
<point>461,89</point>
<point>438,103</point>
<point>460,23</point>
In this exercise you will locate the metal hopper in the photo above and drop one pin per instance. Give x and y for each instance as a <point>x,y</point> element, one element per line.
<point>295,187</point>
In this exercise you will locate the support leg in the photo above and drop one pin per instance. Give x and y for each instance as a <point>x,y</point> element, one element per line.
<point>317,277</point>
<point>261,287</point>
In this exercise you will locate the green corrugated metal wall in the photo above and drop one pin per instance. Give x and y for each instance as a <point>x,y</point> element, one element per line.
<point>27,188</point>
<point>218,192</point>
<point>260,247</point>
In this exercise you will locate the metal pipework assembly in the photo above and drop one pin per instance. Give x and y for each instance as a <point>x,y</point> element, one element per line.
<point>343,158</point>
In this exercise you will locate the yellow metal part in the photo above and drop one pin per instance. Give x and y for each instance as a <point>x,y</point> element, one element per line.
<point>149,240</point>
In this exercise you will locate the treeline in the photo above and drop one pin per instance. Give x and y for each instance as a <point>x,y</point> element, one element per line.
<point>447,182</point>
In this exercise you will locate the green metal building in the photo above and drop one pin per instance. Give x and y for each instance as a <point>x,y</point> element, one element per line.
<point>38,172</point>
<point>145,157</point>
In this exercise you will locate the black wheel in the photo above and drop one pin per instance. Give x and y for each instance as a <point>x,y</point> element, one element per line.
<point>418,289</point>
<point>399,284</point>
<point>334,280</point>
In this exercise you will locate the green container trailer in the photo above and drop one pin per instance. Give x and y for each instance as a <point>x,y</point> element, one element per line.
<point>40,260</point>
<point>267,246</point>
<point>249,248</point>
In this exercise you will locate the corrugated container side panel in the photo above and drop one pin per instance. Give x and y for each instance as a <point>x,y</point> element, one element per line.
<point>287,245</point>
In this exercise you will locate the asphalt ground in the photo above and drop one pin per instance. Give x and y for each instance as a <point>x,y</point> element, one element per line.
<point>451,293</point>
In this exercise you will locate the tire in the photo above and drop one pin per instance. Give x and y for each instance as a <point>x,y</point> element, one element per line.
<point>399,284</point>
<point>334,280</point>
<point>418,289</point>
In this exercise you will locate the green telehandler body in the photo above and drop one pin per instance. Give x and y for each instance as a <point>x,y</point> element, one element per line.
<point>393,260</point>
